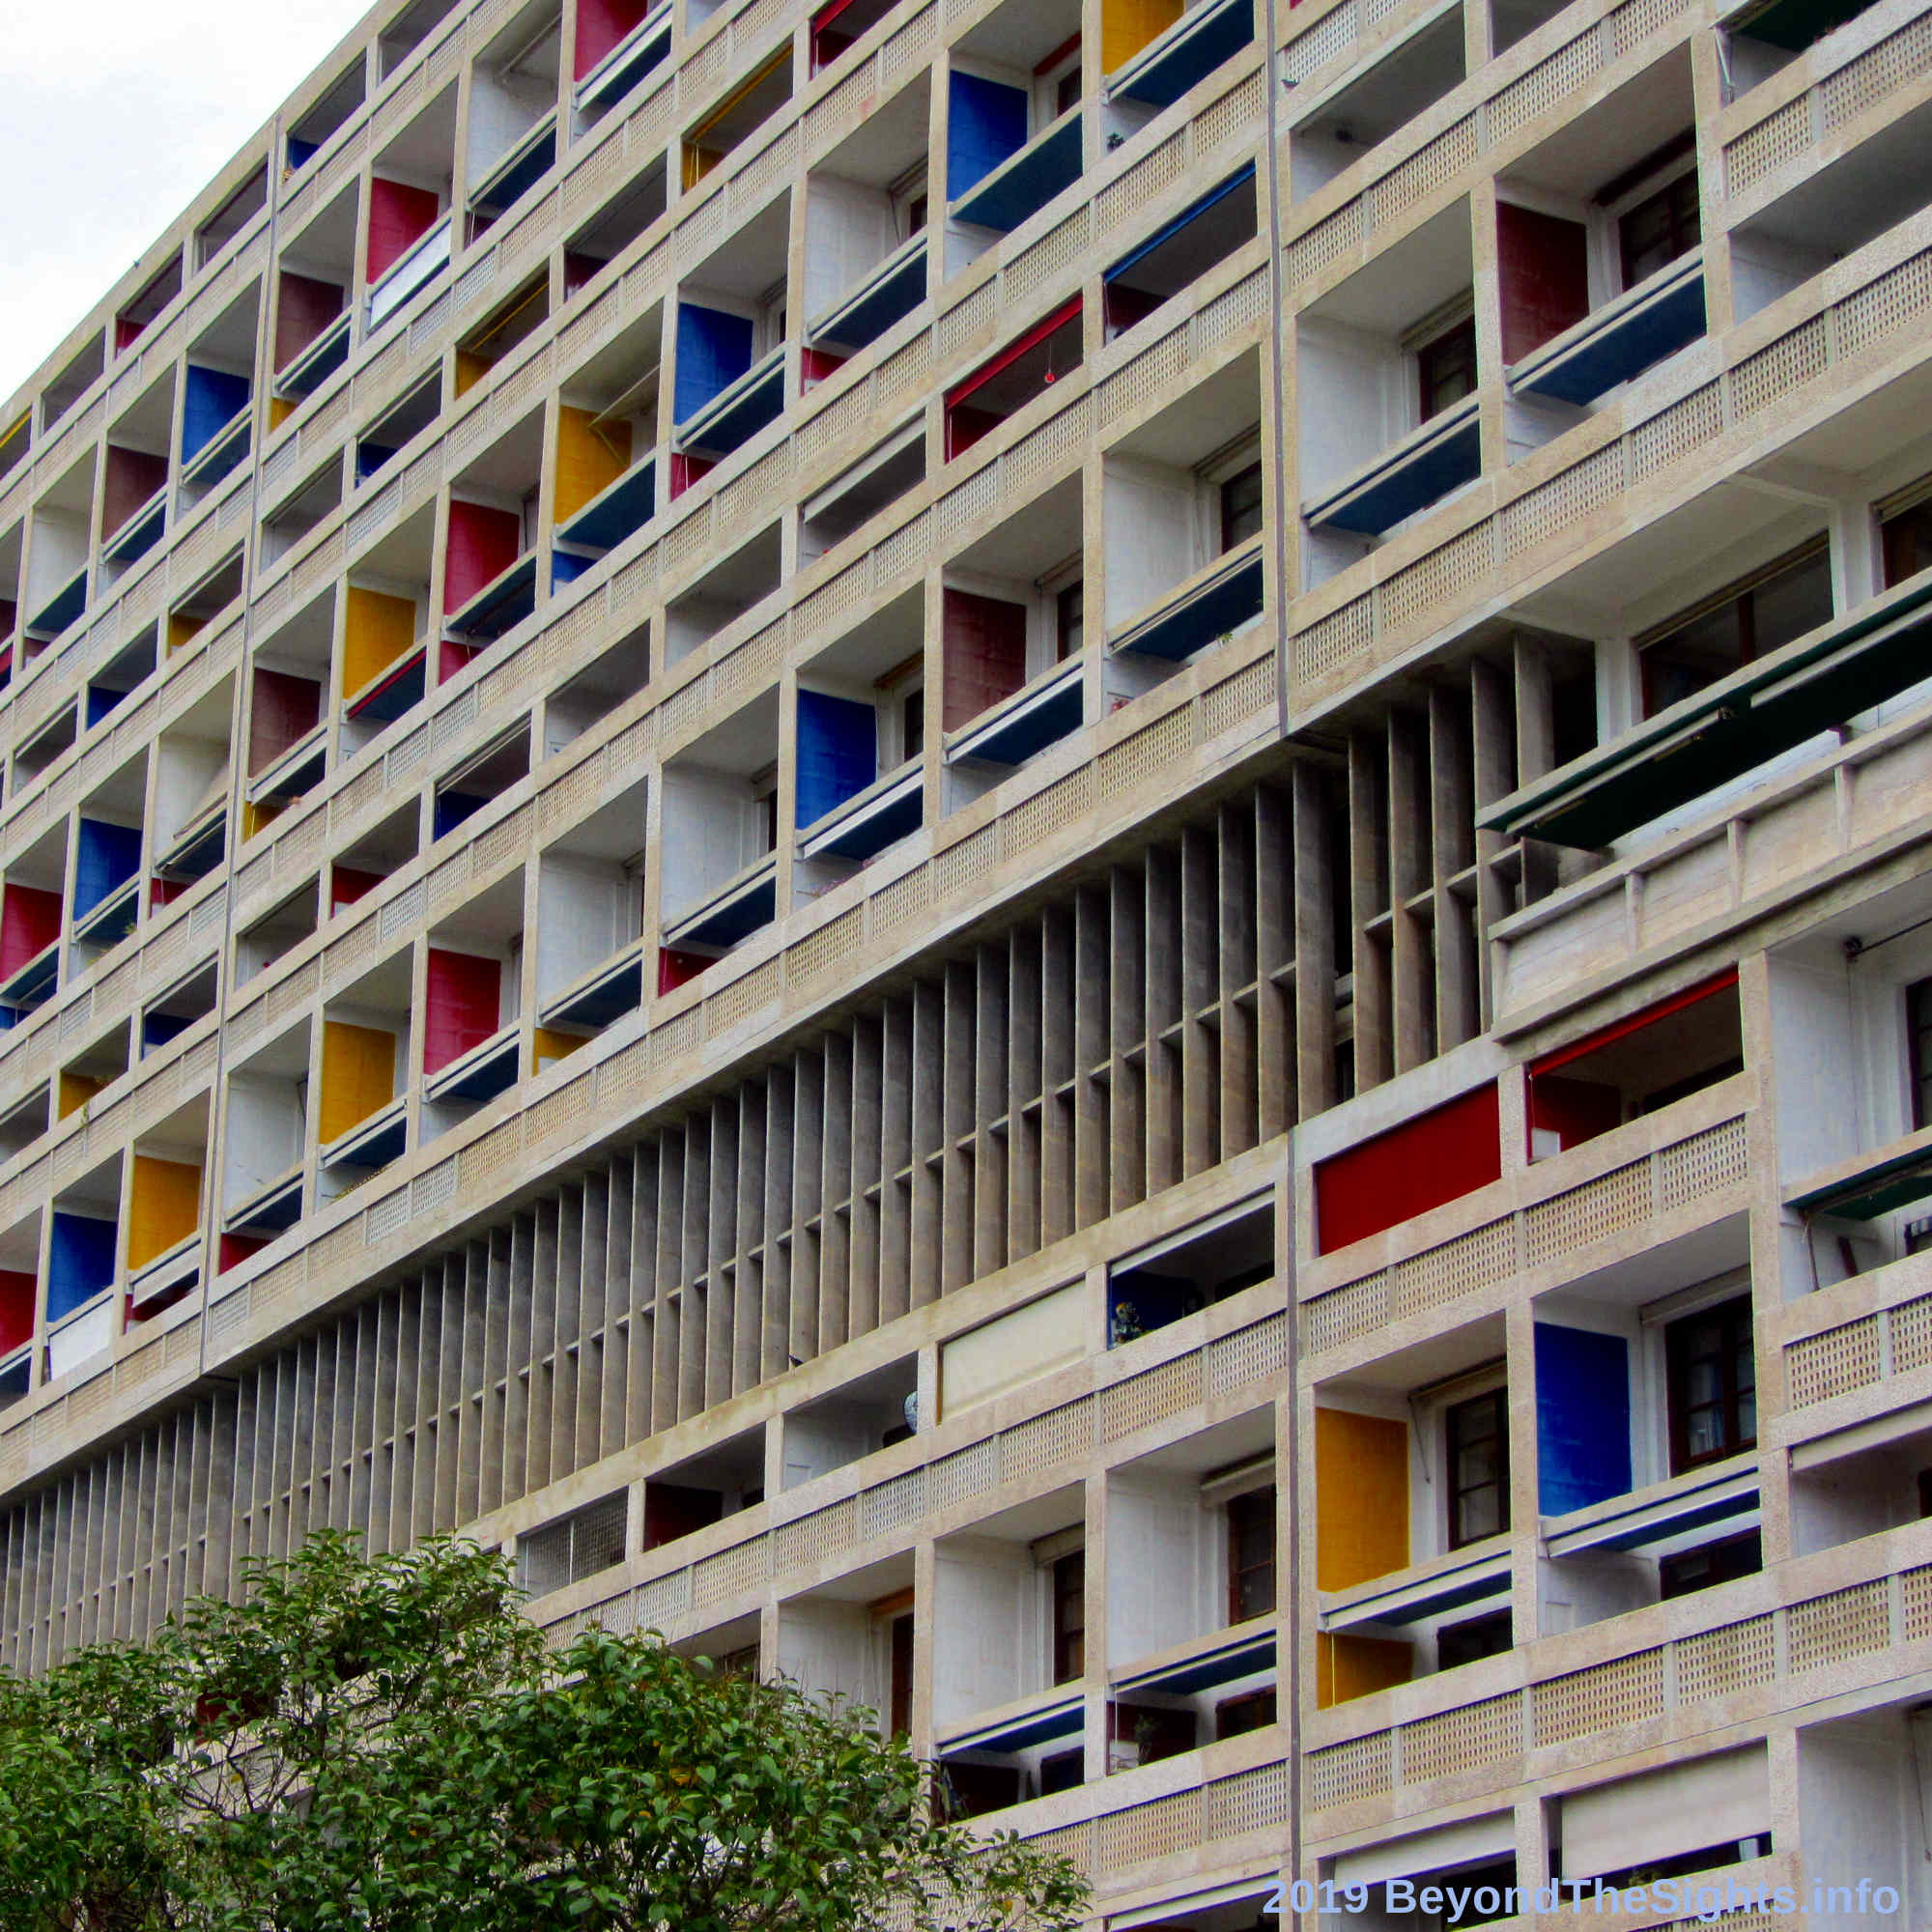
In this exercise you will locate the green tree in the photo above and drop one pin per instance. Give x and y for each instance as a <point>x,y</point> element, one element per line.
<point>385,1743</point>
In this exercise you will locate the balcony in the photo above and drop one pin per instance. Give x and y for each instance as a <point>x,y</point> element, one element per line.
<point>864,825</point>
<point>1426,466</point>
<point>140,533</point>
<point>1024,724</point>
<point>501,604</point>
<point>1215,603</point>
<point>1622,339</point>
<point>397,688</point>
<point>1186,54</point>
<point>891,291</point>
<point>1736,725</point>
<point>421,266</point>
<point>61,609</point>
<point>1024,182</point>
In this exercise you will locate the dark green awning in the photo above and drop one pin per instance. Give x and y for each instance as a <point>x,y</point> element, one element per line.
<point>1894,1182</point>
<point>1820,680</point>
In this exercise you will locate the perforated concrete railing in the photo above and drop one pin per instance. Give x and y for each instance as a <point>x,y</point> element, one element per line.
<point>528,1141</point>
<point>1834,101</point>
<point>1856,1354</point>
<point>1444,159</point>
<point>1886,315</point>
<point>1494,1734</point>
<point>1249,1357</point>
<point>1705,1164</point>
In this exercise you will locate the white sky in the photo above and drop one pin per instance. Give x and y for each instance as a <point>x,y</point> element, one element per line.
<point>115,113</point>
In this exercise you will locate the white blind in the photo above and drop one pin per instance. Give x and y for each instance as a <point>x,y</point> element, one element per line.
<point>1474,1840</point>
<point>1715,1800</point>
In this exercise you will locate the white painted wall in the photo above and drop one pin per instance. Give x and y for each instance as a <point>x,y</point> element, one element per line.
<point>1351,387</point>
<point>265,1133</point>
<point>711,830</point>
<point>1161,1561</point>
<point>988,1627</point>
<point>1151,517</point>
<point>586,909</point>
<point>849,230</point>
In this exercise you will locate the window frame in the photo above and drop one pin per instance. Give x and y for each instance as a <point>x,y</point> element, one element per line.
<point>1260,1506</point>
<point>1067,1598</point>
<point>1456,1495</point>
<point>1734,1314</point>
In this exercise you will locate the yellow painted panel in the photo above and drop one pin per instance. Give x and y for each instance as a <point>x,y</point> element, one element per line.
<point>359,1075</point>
<point>549,1046</point>
<point>163,1208</point>
<point>254,817</point>
<point>76,1089</point>
<point>758,76</point>
<point>280,410</point>
<point>1353,1667</point>
<point>589,460</point>
<point>470,369</point>
<point>183,630</point>
<point>377,628</point>
<point>1361,1497</point>
<point>1126,26</point>
<point>697,164</point>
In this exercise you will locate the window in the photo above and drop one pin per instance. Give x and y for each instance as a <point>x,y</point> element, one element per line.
<point>1905,535</point>
<point>1741,623</point>
<point>1660,228</point>
<point>1445,367</point>
<point>1477,1460</point>
<point>899,1716</point>
<point>1241,506</point>
<point>1069,619</point>
<point>1251,1554</point>
<point>1918,1040</point>
<point>912,723</point>
<point>1237,1717</point>
<point>1713,1380</point>
<point>1719,1562</point>
<point>1070,1617</point>
<point>1473,1638</point>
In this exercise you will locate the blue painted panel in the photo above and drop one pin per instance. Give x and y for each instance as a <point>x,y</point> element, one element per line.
<point>838,752</point>
<point>452,807</point>
<point>370,457</point>
<point>99,702</point>
<point>987,123</point>
<point>67,604</point>
<point>712,351</point>
<point>1213,34</point>
<point>80,1262</point>
<point>1419,479</point>
<point>1052,163</point>
<point>503,605</point>
<point>1625,348</point>
<point>566,567</point>
<point>209,398</point>
<point>300,152</point>
<point>1583,1419</point>
<point>105,857</point>
<point>158,1029</point>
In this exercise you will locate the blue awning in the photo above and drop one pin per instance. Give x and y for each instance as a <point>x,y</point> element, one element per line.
<point>893,291</point>
<point>35,980</point>
<point>1027,726</point>
<point>627,63</point>
<point>140,533</point>
<point>521,169</point>
<point>321,359</point>
<point>1420,470</point>
<point>1187,53</point>
<point>1028,181</point>
<point>480,1074</point>
<point>1623,342</point>
<point>376,1142</point>
<point>1234,181</point>
<point>112,919</point>
<point>198,850</point>
<point>865,827</point>
<point>1216,606</point>
<point>738,413</point>
<point>616,512</point>
<point>501,605</point>
<point>733,915</point>
<point>62,608</point>
<point>1037,1728</point>
<point>399,689</point>
<point>617,988</point>
<point>1207,1672</point>
<point>277,1207</point>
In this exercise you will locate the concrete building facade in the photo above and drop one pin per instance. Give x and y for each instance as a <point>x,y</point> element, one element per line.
<point>1069,860</point>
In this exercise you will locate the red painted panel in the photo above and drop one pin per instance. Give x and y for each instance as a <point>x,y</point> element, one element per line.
<point>346,885</point>
<point>463,996</point>
<point>452,656</point>
<point>127,332</point>
<point>304,310</point>
<point>236,1249</point>
<point>677,969</point>
<point>986,653</point>
<point>1539,1070</point>
<point>30,922</point>
<point>815,365</point>
<point>603,24</point>
<point>483,543</point>
<point>16,1309</point>
<point>672,1510</point>
<point>132,477</point>
<point>399,217</point>
<point>1575,1111</point>
<point>1439,1156</point>
<point>1544,263</point>
<point>286,708</point>
<point>579,269</point>
<point>685,470</point>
